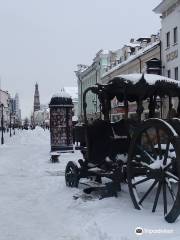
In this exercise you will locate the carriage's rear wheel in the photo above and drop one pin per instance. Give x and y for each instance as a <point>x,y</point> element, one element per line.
<point>72,174</point>
<point>153,168</point>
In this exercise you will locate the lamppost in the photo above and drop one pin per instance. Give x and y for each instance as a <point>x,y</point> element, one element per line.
<point>14,125</point>
<point>2,124</point>
<point>10,134</point>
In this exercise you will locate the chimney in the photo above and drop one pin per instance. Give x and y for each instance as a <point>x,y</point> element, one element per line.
<point>132,40</point>
<point>144,44</point>
<point>153,38</point>
<point>128,51</point>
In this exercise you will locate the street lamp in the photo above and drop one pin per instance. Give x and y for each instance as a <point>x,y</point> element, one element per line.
<point>10,134</point>
<point>2,124</point>
<point>14,125</point>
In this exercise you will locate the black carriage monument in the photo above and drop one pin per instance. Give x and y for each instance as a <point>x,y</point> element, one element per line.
<point>145,154</point>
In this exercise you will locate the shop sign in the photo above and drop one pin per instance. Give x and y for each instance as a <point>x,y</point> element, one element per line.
<point>172,55</point>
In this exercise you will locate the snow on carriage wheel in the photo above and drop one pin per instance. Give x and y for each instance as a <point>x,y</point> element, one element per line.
<point>153,168</point>
<point>72,174</point>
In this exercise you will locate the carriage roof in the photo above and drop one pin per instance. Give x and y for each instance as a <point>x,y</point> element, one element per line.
<point>141,86</point>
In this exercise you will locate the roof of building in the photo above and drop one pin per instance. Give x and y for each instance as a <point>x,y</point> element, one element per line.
<point>133,57</point>
<point>134,44</point>
<point>4,91</point>
<point>141,39</point>
<point>164,5</point>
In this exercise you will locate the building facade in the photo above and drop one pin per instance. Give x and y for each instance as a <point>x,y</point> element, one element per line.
<point>170,36</point>
<point>41,117</point>
<point>88,76</point>
<point>134,58</point>
<point>15,109</point>
<point>73,92</point>
<point>140,56</point>
<point>5,104</point>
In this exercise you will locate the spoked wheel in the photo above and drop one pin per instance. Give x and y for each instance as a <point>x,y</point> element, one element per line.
<point>153,168</point>
<point>72,174</point>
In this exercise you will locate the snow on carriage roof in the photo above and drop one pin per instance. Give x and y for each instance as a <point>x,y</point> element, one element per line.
<point>151,79</point>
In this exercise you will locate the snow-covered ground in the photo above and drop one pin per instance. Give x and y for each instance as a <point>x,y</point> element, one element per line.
<point>35,204</point>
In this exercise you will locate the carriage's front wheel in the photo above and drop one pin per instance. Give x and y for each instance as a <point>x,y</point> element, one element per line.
<point>72,174</point>
<point>153,168</point>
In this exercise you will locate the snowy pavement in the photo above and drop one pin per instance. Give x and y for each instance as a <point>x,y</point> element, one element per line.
<point>35,204</point>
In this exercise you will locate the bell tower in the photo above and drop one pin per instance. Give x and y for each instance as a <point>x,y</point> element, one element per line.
<point>36,99</point>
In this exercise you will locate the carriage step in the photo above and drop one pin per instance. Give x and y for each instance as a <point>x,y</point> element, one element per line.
<point>92,183</point>
<point>91,165</point>
<point>96,170</point>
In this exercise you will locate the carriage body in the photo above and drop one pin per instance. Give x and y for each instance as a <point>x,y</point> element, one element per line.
<point>133,151</point>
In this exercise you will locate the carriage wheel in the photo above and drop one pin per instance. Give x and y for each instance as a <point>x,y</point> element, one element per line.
<point>72,174</point>
<point>153,168</point>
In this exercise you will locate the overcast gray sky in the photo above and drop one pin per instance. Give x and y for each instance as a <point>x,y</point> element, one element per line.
<point>43,40</point>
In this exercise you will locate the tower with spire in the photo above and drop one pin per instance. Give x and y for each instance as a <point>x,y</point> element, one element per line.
<point>36,99</point>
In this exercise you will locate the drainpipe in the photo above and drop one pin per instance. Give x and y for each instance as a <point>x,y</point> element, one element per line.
<point>80,81</point>
<point>81,98</point>
<point>160,46</point>
<point>96,83</point>
<point>162,73</point>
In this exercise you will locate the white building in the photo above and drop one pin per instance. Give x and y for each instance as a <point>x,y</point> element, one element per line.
<point>41,117</point>
<point>170,37</point>
<point>17,107</point>
<point>73,92</point>
<point>5,100</point>
<point>134,57</point>
<point>88,76</point>
<point>140,56</point>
